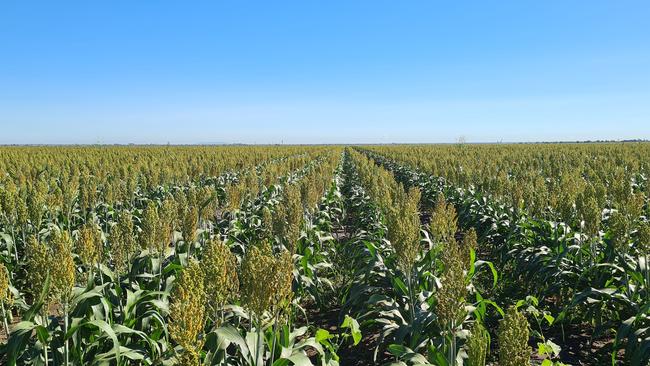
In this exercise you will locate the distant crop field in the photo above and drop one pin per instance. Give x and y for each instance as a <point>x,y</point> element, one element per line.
<point>461,254</point>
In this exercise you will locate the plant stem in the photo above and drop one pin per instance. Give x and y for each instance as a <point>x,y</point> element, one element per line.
<point>99,273</point>
<point>647,277</point>
<point>410,288</point>
<point>4,319</point>
<point>13,238</point>
<point>275,329</point>
<point>452,347</point>
<point>160,268</point>
<point>65,331</point>
<point>259,340</point>
<point>45,356</point>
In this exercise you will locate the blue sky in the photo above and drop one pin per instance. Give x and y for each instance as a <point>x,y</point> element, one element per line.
<point>323,71</point>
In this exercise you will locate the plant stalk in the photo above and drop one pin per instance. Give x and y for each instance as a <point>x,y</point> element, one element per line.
<point>45,355</point>
<point>4,319</point>
<point>65,331</point>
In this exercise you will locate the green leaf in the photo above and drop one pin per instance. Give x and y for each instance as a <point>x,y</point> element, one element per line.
<point>549,318</point>
<point>322,335</point>
<point>16,343</point>
<point>352,324</point>
<point>300,359</point>
<point>36,307</point>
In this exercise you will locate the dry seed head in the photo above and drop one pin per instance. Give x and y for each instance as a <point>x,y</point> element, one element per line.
<point>477,345</point>
<point>5,294</point>
<point>36,200</point>
<point>181,206</point>
<point>87,192</point>
<point>403,221</point>
<point>251,185</point>
<point>122,239</point>
<point>592,215</point>
<point>236,194</point>
<point>620,226</point>
<point>443,224</point>
<point>282,282</point>
<point>294,216</point>
<point>8,197</point>
<point>89,244</point>
<point>643,236</point>
<point>189,224</point>
<point>220,270</point>
<point>189,357</point>
<point>167,221</point>
<point>38,262</point>
<point>451,297</point>
<point>22,212</point>
<point>279,220</point>
<point>266,280</point>
<point>470,242</point>
<point>634,205</point>
<point>150,226</point>
<point>62,267</point>
<point>109,192</point>
<point>188,308</point>
<point>255,273</point>
<point>513,339</point>
<point>266,223</point>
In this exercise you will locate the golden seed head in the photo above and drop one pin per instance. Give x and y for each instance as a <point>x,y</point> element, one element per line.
<point>38,261</point>
<point>181,206</point>
<point>8,196</point>
<point>294,216</point>
<point>167,220</point>
<point>62,267</point>
<point>5,294</point>
<point>89,245</point>
<point>266,280</point>
<point>592,215</point>
<point>36,200</point>
<point>643,236</point>
<point>470,242</point>
<point>266,224</point>
<point>443,223</point>
<point>122,240</point>
<point>188,308</point>
<point>149,228</point>
<point>87,192</point>
<point>450,307</point>
<point>189,357</point>
<point>477,345</point>
<point>189,224</point>
<point>513,339</point>
<point>235,196</point>
<point>620,226</point>
<point>22,212</point>
<point>282,282</point>
<point>220,269</point>
<point>279,220</point>
<point>403,221</point>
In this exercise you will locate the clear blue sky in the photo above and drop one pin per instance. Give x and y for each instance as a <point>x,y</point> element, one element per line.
<point>323,71</point>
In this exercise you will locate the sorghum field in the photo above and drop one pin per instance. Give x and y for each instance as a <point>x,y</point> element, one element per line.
<point>459,254</point>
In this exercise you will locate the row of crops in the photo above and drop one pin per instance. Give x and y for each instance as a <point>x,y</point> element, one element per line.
<point>324,255</point>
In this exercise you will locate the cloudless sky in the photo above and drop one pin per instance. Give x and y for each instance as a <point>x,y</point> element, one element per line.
<point>323,71</point>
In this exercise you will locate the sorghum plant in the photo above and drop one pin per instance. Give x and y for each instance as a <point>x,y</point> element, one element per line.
<point>477,345</point>
<point>188,313</point>
<point>221,282</point>
<point>513,339</point>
